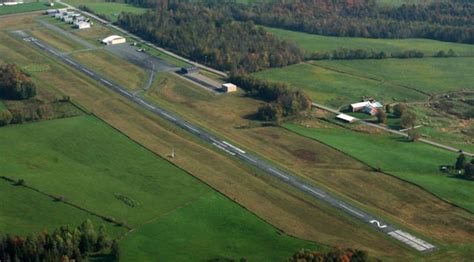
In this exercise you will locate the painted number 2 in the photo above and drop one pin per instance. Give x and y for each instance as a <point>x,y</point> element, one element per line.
<point>379,225</point>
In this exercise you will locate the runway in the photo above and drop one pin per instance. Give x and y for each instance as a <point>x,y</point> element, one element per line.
<point>234,151</point>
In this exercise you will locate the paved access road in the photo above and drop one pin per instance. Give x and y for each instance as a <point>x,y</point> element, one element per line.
<point>234,151</point>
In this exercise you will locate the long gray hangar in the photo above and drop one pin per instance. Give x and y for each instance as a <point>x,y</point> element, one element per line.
<point>234,151</point>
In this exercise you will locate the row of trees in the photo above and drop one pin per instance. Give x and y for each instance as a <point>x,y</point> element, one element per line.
<point>348,255</point>
<point>282,101</point>
<point>349,54</point>
<point>14,84</point>
<point>212,37</point>
<point>64,244</point>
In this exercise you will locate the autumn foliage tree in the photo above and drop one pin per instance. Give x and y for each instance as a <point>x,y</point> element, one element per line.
<point>14,84</point>
<point>64,244</point>
<point>348,255</point>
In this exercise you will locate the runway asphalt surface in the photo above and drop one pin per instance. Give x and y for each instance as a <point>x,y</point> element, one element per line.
<point>317,193</point>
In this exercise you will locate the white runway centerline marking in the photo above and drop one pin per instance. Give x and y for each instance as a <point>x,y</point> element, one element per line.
<point>313,191</point>
<point>351,210</point>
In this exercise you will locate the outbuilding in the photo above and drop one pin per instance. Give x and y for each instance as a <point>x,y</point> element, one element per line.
<point>229,87</point>
<point>82,25</point>
<point>113,40</point>
<point>346,118</point>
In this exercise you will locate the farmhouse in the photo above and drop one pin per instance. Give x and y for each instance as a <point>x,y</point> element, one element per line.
<point>82,25</point>
<point>346,118</point>
<point>229,87</point>
<point>113,40</point>
<point>370,107</point>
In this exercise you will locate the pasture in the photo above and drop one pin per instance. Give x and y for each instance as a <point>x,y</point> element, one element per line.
<point>320,43</point>
<point>417,163</point>
<point>430,75</point>
<point>338,89</point>
<point>109,10</point>
<point>27,7</point>
<point>89,163</point>
<point>195,232</point>
<point>24,211</point>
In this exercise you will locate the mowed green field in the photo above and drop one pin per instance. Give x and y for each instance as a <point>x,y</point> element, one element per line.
<point>110,10</point>
<point>209,228</point>
<point>27,7</point>
<point>431,75</point>
<point>417,163</point>
<point>89,163</point>
<point>24,211</point>
<point>319,43</point>
<point>338,89</point>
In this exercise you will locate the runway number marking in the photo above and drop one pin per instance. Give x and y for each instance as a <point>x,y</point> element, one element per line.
<point>379,225</point>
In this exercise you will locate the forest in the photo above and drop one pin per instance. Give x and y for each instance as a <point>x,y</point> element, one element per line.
<point>450,21</point>
<point>209,36</point>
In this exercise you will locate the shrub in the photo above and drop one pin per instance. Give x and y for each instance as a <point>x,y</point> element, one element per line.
<point>5,118</point>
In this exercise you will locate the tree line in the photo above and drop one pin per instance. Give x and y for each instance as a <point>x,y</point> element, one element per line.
<point>451,21</point>
<point>64,244</point>
<point>350,54</point>
<point>282,101</point>
<point>210,36</point>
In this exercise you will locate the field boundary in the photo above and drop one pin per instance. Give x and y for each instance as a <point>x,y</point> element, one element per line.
<point>379,170</point>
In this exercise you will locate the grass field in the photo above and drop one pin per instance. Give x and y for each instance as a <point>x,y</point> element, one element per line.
<point>26,7</point>
<point>431,75</point>
<point>338,89</point>
<point>121,71</point>
<point>59,42</point>
<point>110,10</point>
<point>24,211</point>
<point>88,163</point>
<point>319,43</point>
<point>199,229</point>
<point>415,162</point>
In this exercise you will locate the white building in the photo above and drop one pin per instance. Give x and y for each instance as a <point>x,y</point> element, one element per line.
<point>13,3</point>
<point>229,87</point>
<point>82,25</point>
<point>346,118</point>
<point>113,40</point>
